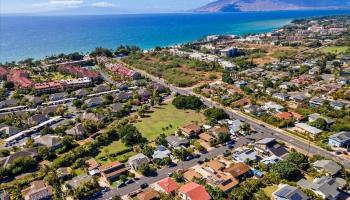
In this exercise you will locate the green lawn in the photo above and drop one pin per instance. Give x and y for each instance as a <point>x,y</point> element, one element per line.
<point>164,116</point>
<point>270,189</point>
<point>335,49</point>
<point>114,147</point>
<point>79,171</point>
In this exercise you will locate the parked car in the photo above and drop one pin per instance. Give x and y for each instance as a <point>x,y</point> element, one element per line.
<point>200,162</point>
<point>129,181</point>
<point>144,185</point>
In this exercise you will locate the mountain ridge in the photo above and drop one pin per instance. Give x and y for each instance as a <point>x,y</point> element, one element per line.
<point>271,5</point>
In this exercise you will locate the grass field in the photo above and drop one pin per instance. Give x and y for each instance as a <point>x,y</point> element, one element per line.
<point>335,49</point>
<point>114,147</point>
<point>164,116</point>
<point>270,189</point>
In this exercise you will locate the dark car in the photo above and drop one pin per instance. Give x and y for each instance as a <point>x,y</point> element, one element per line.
<point>121,185</point>
<point>144,185</point>
<point>172,165</point>
<point>188,158</point>
<point>197,156</point>
<point>200,162</point>
<point>129,181</point>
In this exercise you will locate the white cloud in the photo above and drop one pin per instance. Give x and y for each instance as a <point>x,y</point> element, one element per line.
<point>57,4</point>
<point>103,4</point>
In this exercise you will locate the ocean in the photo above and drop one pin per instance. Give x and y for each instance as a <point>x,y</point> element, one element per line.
<point>39,36</point>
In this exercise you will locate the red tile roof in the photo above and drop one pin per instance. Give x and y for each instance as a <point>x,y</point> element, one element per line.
<point>168,185</point>
<point>289,115</point>
<point>20,78</point>
<point>195,191</point>
<point>79,71</point>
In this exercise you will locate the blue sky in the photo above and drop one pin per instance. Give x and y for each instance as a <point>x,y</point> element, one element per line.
<point>97,6</point>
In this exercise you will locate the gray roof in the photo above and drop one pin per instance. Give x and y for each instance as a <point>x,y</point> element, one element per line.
<point>343,136</point>
<point>266,141</point>
<point>116,107</point>
<point>79,180</point>
<point>77,130</point>
<point>290,193</point>
<point>316,116</point>
<point>328,165</point>
<point>48,140</point>
<point>10,130</point>
<point>235,126</point>
<point>327,186</point>
<point>246,154</point>
<point>175,141</point>
<point>314,131</point>
<point>24,153</point>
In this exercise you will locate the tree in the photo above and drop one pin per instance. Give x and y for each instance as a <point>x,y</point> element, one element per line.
<point>198,146</point>
<point>178,177</point>
<point>8,85</point>
<point>22,164</point>
<point>215,114</point>
<point>187,102</point>
<point>181,153</point>
<point>130,135</point>
<point>146,169</point>
<point>319,123</point>
<point>161,140</point>
<point>224,137</point>
<point>286,170</point>
<point>245,127</point>
<point>30,143</point>
<point>226,77</point>
<point>77,103</point>
<point>68,143</point>
<point>44,153</point>
<point>99,51</point>
<point>147,150</point>
<point>298,159</point>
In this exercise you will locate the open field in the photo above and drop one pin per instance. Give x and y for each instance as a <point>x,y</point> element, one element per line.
<point>178,71</point>
<point>335,49</point>
<point>114,147</point>
<point>164,116</point>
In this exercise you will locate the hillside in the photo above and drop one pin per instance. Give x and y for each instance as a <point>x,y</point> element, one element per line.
<point>272,5</point>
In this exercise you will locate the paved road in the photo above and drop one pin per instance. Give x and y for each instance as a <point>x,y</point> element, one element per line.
<point>162,173</point>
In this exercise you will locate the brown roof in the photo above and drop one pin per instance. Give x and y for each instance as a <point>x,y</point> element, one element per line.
<point>92,164</point>
<point>215,165</point>
<point>206,137</point>
<point>242,102</point>
<point>148,195</point>
<point>191,128</point>
<point>220,130</point>
<point>228,182</point>
<point>190,174</point>
<point>112,169</point>
<point>238,169</point>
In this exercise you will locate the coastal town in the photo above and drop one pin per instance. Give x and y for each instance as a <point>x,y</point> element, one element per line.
<point>260,116</point>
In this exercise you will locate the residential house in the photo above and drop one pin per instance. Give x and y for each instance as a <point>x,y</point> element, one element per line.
<point>3,194</point>
<point>328,166</point>
<point>34,100</point>
<point>112,171</point>
<point>79,72</point>
<point>167,185</point>
<point>50,141</point>
<point>137,160</point>
<point>244,154</point>
<point>252,109</point>
<point>235,126</point>
<point>92,117</point>
<point>57,96</point>
<point>78,181</point>
<point>206,137</point>
<point>81,93</point>
<point>76,83</point>
<point>225,182</point>
<point>272,107</point>
<point>161,152</point>
<point>121,70</point>
<point>281,96</point>
<point>325,186</point>
<point>271,147</point>
<point>144,94</point>
<point>20,78</point>
<point>287,192</point>
<point>63,172</point>
<point>101,88</point>
<point>177,142</point>
<point>149,194</point>
<point>192,174</point>
<point>78,131</point>
<point>299,97</point>
<point>92,166</point>
<point>38,190</point>
<point>215,166</point>
<point>8,103</point>
<point>93,102</point>
<point>33,153</point>
<point>239,170</point>
<point>289,116</point>
<point>36,119</point>
<point>216,130</point>
<point>302,127</point>
<point>191,130</point>
<point>341,139</point>
<point>116,107</point>
<point>123,96</point>
<point>316,101</point>
<point>9,130</point>
<point>313,117</point>
<point>193,191</point>
<point>337,105</point>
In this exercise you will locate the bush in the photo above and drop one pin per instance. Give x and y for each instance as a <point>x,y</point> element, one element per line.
<point>187,102</point>
<point>215,114</point>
